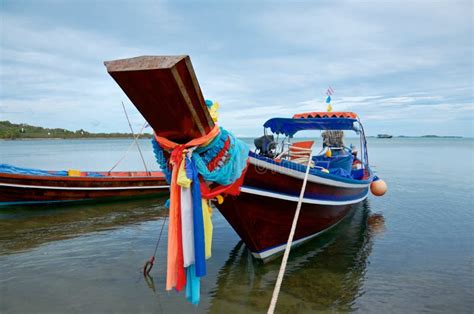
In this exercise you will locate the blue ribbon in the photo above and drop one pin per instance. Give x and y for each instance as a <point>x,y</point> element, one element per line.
<point>161,160</point>
<point>193,285</point>
<point>198,221</point>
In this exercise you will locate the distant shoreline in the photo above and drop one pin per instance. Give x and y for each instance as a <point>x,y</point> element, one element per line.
<point>13,131</point>
<point>71,138</point>
<point>242,137</point>
<point>24,132</point>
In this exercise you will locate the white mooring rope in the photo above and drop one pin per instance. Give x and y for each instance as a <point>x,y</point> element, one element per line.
<point>276,290</point>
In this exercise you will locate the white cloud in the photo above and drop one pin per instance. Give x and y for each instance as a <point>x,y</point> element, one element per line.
<point>387,61</point>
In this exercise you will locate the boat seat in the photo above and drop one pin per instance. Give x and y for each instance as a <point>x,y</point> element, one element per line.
<point>323,164</point>
<point>299,152</point>
<point>339,161</point>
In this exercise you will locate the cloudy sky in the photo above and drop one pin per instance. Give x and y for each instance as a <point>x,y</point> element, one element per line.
<point>406,67</point>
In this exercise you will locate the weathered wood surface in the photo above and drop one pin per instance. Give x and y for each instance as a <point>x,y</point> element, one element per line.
<point>166,92</point>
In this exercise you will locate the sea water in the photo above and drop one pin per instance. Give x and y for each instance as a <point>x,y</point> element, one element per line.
<point>409,251</point>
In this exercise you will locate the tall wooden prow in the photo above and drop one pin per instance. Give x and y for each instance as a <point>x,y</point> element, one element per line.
<point>166,92</point>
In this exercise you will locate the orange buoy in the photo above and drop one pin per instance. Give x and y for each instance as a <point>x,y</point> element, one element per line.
<point>378,187</point>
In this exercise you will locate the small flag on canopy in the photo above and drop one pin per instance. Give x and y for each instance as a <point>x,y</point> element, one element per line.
<point>329,92</point>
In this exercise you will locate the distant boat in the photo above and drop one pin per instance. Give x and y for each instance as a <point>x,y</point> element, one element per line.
<point>384,136</point>
<point>30,186</point>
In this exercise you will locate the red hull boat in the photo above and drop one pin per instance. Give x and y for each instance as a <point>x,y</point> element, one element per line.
<point>262,213</point>
<point>267,204</point>
<point>27,186</point>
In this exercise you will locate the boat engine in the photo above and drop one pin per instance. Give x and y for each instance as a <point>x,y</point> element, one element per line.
<point>266,146</point>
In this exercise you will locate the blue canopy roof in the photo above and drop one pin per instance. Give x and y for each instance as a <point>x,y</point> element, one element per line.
<point>290,126</point>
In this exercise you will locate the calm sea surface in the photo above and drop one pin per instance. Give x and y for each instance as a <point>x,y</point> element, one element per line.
<point>409,251</point>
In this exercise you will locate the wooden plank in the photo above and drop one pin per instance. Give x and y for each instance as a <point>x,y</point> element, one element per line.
<point>166,92</point>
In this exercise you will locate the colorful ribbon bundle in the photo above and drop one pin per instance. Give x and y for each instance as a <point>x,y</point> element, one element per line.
<point>217,157</point>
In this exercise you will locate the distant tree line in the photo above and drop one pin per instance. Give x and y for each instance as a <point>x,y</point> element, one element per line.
<point>13,131</point>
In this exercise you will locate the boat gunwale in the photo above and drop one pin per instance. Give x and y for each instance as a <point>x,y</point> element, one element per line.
<point>84,188</point>
<point>81,178</point>
<point>319,177</point>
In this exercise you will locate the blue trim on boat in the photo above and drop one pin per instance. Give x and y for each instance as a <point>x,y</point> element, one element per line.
<point>290,126</point>
<point>9,169</point>
<point>317,197</point>
<point>315,172</point>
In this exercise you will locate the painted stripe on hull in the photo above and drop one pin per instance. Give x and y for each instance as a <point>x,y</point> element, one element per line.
<point>300,175</point>
<point>83,188</point>
<point>292,198</point>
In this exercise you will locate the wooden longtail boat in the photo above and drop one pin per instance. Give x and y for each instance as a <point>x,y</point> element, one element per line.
<point>165,90</point>
<point>30,186</point>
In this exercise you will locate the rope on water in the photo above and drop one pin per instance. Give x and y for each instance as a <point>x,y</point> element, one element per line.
<point>149,264</point>
<point>281,273</point>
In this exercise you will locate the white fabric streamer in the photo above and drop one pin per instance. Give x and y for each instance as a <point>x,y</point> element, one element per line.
<point>187,227</point>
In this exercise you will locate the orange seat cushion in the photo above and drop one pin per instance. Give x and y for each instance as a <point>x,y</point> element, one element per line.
<point>296,153</point>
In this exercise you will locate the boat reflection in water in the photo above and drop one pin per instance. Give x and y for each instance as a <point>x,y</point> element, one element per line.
<point>23,227</point>
<point>326,273</point>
